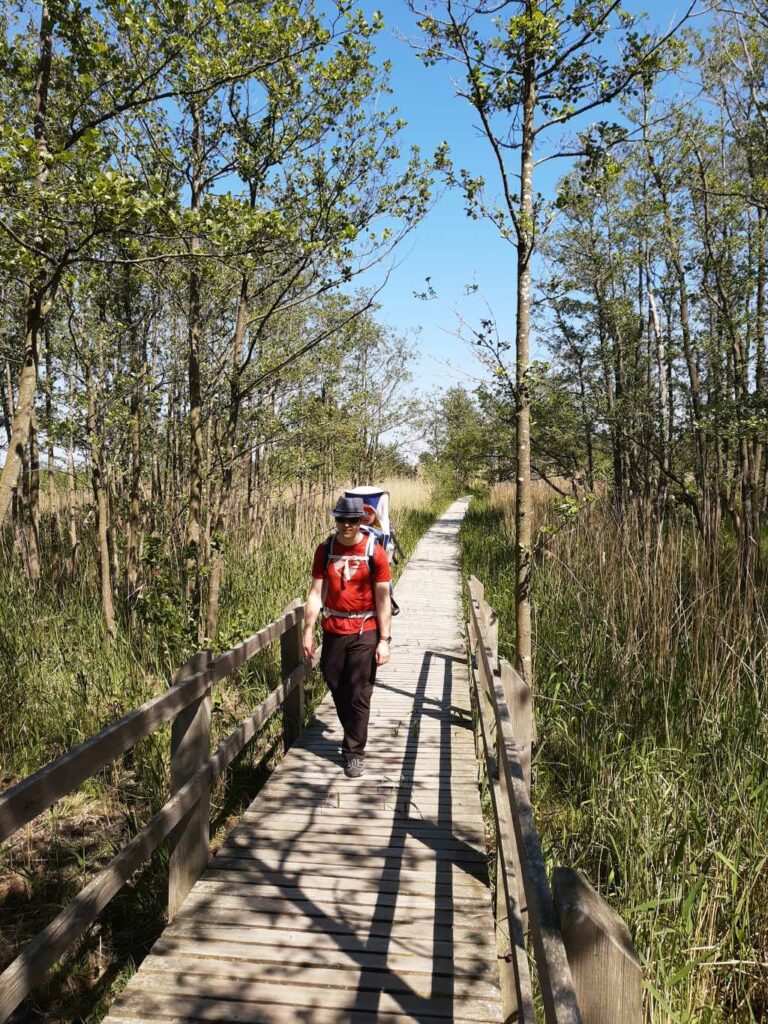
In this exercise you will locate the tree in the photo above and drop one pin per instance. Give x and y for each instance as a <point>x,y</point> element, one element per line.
<point>530,68</point>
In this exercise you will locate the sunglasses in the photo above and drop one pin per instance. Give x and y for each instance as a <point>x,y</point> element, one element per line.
<point>348,522</point>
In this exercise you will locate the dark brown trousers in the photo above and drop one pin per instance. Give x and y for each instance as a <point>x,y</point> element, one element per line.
<point>348,664</point>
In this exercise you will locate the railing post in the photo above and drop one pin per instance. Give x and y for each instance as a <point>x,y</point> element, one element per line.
<point>517,694</point>
<point>291,656</point>
<point>190,748</point>
<point>492,634</point>
<point>606,971</point>
<point>473,692</point>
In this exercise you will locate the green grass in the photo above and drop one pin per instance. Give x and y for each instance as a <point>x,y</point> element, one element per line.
<point>650,775</point>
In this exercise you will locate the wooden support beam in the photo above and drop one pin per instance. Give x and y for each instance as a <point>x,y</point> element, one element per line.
<point>517,694</point>
<point>605,968</point>
<point>291,657</point>
<point>190,749</point>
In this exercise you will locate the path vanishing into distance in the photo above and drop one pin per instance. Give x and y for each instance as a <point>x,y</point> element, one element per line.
<point>352,900</point>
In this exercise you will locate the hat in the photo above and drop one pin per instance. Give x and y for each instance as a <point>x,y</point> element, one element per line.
<point>348,508</point>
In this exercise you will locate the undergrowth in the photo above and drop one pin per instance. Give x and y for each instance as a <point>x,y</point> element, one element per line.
<point>650,774</point>
<point>60,683</point>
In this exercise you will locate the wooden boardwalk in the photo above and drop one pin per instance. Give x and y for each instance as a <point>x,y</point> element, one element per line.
<point>352,900</point>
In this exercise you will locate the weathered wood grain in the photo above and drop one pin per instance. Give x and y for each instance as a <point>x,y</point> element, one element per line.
<point>605,967</point>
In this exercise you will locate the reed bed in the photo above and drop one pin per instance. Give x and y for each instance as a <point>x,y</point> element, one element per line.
<point>651,772</point>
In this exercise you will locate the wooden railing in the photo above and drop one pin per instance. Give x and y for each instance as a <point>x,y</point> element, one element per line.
<point>587,967</point>
<point>184,818</point>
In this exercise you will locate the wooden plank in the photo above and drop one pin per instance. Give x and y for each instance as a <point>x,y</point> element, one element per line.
<point>373,822</point>
<point>396,835</point>
<point>190,748</point>
<point>520,704</point>
<point>196,973</point>
<point>229,661</point>
<point>363,863</point>
<point>319,893</point>
<point>239,958</point>
<point>346,844</point>
<point>449,945</point>
<point>223,1002</point>
<point>330,915</point>
<point>155,1008</point>
<point>606,970</point>
<point>366,867</point>
<point>239,873</point>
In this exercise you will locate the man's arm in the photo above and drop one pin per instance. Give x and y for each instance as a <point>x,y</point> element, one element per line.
<point>384,616</point>
<point>311,612</point>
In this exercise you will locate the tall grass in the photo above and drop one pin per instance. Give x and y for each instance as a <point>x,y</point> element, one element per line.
<point>650,776</point>
<point>60,683</point>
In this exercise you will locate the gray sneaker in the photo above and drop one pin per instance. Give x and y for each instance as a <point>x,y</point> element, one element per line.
<point>354,767</point>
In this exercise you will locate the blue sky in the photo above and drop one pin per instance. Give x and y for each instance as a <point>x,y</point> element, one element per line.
<point>448,247</point>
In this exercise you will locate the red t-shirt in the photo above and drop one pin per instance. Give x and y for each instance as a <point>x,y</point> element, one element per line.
<point>349,587</point>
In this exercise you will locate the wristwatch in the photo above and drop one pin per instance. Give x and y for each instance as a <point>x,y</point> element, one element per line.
<point>385,638</point>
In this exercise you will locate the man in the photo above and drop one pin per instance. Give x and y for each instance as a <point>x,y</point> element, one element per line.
<point>350,583</point>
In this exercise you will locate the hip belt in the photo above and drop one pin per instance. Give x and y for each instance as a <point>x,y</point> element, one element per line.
<point>363,616</point>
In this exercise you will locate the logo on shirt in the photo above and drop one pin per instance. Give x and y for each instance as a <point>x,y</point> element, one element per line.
<point>346,568</point>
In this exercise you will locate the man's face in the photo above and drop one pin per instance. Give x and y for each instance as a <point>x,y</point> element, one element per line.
<point>347,528</point>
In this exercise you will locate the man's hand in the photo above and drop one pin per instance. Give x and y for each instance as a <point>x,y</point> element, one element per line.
<point>308,642</point>
<point>382,652</point>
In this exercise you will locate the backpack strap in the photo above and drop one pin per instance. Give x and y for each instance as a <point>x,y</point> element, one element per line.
<point>328,545</point>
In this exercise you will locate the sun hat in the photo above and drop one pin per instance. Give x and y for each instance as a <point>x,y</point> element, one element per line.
<point>348,508</point>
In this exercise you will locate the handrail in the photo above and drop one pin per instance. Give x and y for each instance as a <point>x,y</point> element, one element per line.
<point>30,797</point>
<point>181,817</point>
<point>576,988</point>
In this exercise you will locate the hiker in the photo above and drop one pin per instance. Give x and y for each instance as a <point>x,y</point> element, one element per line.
<point>350,584</point>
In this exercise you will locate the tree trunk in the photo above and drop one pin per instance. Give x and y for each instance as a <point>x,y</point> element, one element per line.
<point>72,482</point>
<point>663,395</point>
<point>523,500</point>
<point>138,369</point>
<point>6,404</point>
<point>53,497</point>
<point>100,497</point>
<point>193,373</point>
<point>229,448</point>
<point>587,422</point>
<point>39,295</point>
<point>758,452</point>
<point>32,524</point>
<point>22,419</point>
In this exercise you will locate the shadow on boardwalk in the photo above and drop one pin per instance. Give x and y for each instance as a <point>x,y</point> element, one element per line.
<point>252,984</point>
